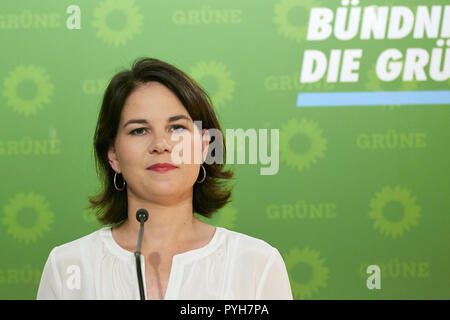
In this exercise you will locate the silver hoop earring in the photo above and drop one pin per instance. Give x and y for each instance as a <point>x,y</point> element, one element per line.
<point>204,175</point>
<point>115,185</point>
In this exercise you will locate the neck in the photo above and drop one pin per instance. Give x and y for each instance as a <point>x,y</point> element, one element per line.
<point>168,225</point>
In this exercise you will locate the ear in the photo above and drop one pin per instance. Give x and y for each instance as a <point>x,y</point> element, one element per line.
<point>113,161</point>
<point>206,139</point>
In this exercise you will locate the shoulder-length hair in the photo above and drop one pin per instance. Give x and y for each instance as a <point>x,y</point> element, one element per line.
<point>111,205</point>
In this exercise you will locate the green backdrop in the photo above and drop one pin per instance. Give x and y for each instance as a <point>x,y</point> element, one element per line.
<point>357,185</point>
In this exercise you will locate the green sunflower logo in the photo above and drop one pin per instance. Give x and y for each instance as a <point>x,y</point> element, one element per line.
<point>283,18</point>
<point>375,84</point>
<point>316,149</point>
<point>225,218</point>
<point>39,79</point>
<point>109,26</point>
<point>224,88</point>
<point>319,275</point>
<point>15,208</point>
<point>397,195</point>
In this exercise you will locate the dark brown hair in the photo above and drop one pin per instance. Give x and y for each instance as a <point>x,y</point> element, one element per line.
<point>112,205</point>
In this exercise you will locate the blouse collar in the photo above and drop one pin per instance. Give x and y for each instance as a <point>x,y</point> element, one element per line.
<point>188,256</point>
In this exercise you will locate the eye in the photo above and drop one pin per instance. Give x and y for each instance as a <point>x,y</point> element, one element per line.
<point>135,130</point>
<point>178,126</point>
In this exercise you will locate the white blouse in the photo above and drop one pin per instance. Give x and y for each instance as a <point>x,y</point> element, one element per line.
<point>231,266</point>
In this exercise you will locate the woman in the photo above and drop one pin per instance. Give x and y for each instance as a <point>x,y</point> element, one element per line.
<point>143,110</point>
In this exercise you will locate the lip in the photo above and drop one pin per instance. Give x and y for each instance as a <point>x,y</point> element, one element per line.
<point>161,167</point>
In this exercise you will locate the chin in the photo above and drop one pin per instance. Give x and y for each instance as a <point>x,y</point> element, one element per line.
<point>163,187</point>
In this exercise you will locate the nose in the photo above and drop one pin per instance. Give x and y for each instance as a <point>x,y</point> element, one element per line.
<point>160,144</point>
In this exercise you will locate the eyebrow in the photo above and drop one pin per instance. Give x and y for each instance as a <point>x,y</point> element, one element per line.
<point>171,119</point>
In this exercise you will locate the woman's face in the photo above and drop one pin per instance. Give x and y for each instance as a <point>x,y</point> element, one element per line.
<point>140,145</point>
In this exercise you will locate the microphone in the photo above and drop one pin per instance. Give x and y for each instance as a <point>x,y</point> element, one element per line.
<point>141,216</point>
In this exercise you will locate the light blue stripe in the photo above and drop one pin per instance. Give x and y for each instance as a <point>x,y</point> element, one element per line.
<point>370,98</point>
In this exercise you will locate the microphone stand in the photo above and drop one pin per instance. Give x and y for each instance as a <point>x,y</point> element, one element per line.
<point>141,216</point>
